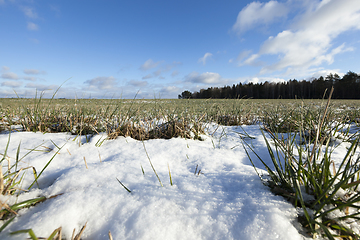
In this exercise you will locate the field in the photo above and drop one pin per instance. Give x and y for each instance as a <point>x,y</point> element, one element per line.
<point>179,169</point>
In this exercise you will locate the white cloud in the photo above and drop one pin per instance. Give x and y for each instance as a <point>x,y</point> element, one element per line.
<point>161,68</point>
<point>42,87</point>
<point>252,60</point>
<point>29,12</point>
<point>242,56</point>
<point>138,83</point>
<point>325,72</point>
<point>147,76</point>
<point>310,40</point>
<point>12,84</point>
<point>169,91</point>
<point>204,58</point>
<point>257,13</point>
<point>32,26</point>
<point>174,73</point>
<point>30,78</point>
<point>206,78</point>
<point>165,68</point>
<point>158,72</point>
<point>264,79</point>
<point>10,75</point>
<point>103,83</point>
<point>5,68</point>
<point>149,64</point>
<point>31,71</point>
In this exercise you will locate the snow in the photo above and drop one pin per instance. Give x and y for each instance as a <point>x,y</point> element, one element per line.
<point>225,201</point>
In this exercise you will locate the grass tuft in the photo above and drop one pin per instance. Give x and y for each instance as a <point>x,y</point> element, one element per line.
<point>11,179</point>
<point>305,175</point>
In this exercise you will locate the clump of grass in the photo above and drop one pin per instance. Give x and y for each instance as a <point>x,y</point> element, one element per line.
<point>10,182</point>
<point>282,119</point>
<point>307,177</point>
<point>127,130</point>
<point>150,119</point>
<point>174,128</point>
<point>183,127</point>
<point>56,234</point>
<point>127,118</point>
<point>233,112</point>
<point>237,120</point>
<point>12,177</point>
<point>61,120</point>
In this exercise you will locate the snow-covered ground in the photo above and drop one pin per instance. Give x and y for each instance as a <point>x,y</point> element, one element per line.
<point>225,201</point>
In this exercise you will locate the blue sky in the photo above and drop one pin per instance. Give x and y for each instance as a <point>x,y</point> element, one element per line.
<point>115,48</point>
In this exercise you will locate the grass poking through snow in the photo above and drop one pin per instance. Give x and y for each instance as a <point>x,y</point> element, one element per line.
<point>303,172</point>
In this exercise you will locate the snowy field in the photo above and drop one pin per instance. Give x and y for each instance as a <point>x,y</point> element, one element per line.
<point>225,201</point>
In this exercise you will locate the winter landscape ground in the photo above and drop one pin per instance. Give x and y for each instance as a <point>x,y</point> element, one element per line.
<point>175,188</point>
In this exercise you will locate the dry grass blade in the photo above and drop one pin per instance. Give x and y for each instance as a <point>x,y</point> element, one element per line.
<point>56,234</point>
<point>171,182</point>
<point>99,155</point>
<point>1,180</point>
<point>110,236</point>
<point>4,213</point>
<point>4,205</point>
<point>78,236</point>
<point>85,163</point>
<point>73,234</point>
<point>9,187</point>
<point>152,165</point>
<point>23,204</point>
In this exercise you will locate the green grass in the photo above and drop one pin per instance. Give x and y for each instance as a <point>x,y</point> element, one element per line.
<point>56,234</point>
<point>11,180</point>
<point>149,119</point>
<point>299,167</point>
<point>303,172</point>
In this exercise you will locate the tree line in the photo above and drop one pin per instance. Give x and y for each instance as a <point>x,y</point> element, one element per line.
<point>347,87</point>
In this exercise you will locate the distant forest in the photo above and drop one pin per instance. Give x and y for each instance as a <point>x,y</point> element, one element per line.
<point>347,87</point>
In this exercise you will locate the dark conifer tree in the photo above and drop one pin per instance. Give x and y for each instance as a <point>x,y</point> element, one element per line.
<point>347,87</point>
